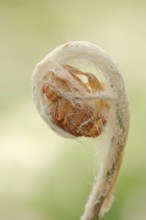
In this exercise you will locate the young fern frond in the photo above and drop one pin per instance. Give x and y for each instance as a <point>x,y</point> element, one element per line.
<point>76,103</point>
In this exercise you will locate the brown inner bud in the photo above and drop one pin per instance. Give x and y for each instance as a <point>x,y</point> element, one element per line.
<point>83,118</point>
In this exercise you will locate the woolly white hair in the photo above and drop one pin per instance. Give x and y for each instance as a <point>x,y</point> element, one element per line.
<point>54,62</point>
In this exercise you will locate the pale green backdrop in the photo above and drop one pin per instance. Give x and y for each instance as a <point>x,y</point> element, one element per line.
<point>42,176</point>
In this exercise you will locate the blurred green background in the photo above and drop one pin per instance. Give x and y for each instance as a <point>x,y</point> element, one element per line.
<point>43,176</point>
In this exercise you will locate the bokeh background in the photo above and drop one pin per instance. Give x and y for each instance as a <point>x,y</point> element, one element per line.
<point>43,176</point>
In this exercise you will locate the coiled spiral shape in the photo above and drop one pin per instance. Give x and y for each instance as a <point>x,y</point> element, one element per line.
<point>76,103</point>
